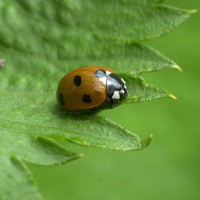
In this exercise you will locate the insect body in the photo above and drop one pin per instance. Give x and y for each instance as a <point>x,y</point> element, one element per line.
<point>89,87</point>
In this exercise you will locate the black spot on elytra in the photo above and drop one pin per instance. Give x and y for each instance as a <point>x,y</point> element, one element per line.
<point>86,98</point>
<point>77,80</point>
<point>61,99</point>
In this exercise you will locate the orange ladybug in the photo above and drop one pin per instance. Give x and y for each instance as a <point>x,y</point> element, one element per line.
<point>89,87</point>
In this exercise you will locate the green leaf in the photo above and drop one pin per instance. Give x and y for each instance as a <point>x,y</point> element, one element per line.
<point>78,30</point>
<point>41,41</point>
<point>16,177</point>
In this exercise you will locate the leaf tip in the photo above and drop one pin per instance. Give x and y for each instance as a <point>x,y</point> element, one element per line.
<point>193,11</point>
<point>80,155</point>
<point>133,97</point>
<point>77,156</point>
<point>178,68</point>
<point>149,139</point>
<point>171,96</point>
<point>79,141</point>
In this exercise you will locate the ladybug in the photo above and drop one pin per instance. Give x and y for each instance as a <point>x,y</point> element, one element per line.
<point>89,87</point>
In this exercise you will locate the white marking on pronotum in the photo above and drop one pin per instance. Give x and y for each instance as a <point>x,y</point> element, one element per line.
<point>107,72</point>
<point>125,86</point>
<point>116,95</point>
<point>123,81</point>
<point>103,79</point>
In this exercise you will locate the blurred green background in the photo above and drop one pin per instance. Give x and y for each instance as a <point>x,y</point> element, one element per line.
<point>170,167</point>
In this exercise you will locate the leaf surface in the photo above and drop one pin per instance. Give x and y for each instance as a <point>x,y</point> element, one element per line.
<point>41,41</point>
<point>16,180</point>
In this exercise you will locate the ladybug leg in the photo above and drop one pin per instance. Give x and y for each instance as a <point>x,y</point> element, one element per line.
<point>118,100</point>
<point>2,62</point>
<point>93,109</point>
<point>112,103</point>
<point>106,100</point>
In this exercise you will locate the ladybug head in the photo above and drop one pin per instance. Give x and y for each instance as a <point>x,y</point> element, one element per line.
<point>116,87</point>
